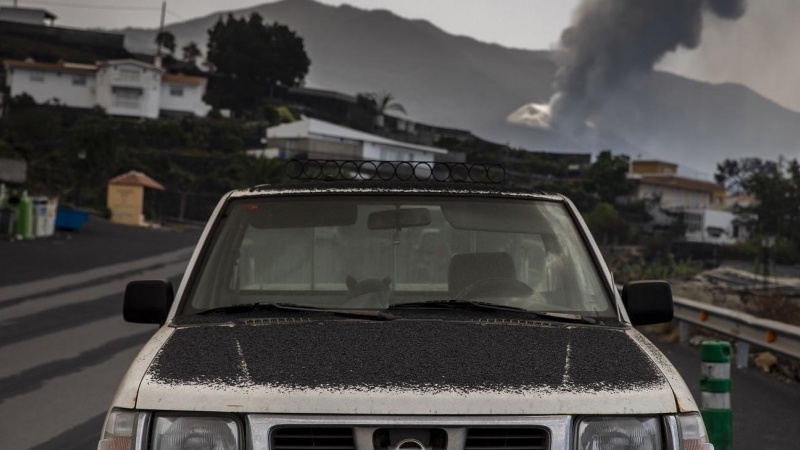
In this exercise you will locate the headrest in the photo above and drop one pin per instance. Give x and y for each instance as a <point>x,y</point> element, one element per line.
<point>467,268</point>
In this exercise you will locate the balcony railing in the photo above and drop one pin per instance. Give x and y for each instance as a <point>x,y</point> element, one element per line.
<point>124,103</point>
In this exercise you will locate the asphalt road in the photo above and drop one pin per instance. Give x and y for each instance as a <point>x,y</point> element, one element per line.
<point>64,346</point>
<point>766,411</point>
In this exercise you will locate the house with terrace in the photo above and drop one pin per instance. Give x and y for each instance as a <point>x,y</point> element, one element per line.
<point>125,87</point>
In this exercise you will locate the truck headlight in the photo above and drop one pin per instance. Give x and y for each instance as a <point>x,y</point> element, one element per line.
<point>195,433</point>
<point>619,433</point>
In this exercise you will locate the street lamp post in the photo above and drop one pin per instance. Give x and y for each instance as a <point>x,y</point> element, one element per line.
<point>78,192</point>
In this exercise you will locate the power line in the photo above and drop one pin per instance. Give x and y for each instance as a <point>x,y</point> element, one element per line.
<point>90,6</point>
<point>106,7</point>
<point>173,14</point>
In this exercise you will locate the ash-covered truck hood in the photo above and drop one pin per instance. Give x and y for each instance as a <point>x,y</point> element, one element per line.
<point>408,367</point>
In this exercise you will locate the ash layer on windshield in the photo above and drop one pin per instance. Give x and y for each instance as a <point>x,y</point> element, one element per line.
<point>426,357</point>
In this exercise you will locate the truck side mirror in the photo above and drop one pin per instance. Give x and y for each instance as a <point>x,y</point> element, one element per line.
<point>648,302</point>
<point>148,301</point>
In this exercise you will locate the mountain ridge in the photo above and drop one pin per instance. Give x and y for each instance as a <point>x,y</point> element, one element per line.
<point>461,82</point>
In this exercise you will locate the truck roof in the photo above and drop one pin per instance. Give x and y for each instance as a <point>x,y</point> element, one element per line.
<point>395,187</point>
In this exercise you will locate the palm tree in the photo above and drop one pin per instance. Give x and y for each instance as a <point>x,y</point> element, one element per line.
<point>384,102</point>
<point>167,40</point>
<point>191,52</point>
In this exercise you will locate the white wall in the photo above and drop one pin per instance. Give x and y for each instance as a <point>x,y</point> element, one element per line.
<point>710,218</point>
<point>190,100</point>
<point>385,152</point>
<point>675,197</point>
<point>53,85</point>
<point>114,82</point>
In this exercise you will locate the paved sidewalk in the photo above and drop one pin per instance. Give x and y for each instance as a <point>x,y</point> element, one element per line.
<point>98,244</point>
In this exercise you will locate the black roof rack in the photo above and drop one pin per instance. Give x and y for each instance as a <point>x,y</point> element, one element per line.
<point>360,170</point>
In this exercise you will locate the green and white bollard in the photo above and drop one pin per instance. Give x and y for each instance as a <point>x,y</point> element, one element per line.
<point>715,387</point>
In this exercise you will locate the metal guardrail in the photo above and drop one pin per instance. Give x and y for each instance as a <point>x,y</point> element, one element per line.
<point>745,328</point>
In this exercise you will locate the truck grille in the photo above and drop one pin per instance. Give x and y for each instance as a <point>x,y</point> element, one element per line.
<point>490,438</point>
<point>313,439</point>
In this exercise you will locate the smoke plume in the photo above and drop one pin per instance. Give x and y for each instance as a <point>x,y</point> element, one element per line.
<point>611,39</point>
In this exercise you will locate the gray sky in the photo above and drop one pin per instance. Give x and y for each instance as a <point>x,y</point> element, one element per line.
<point>532,24</point>
<point>758,51</point>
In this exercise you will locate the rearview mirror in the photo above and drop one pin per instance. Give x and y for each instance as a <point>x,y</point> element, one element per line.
<point>399,218</point>
<point>147,301</point>
<point>648,302</point>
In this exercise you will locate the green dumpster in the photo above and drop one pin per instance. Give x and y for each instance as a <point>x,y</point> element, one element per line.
<point>23,210</point>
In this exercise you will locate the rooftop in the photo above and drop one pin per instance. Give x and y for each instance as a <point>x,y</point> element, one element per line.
<point>45,13</point>
<point>322,93</point>
<point>70,67</point>
<point>653,161</point>
<point>135,62</point>
<point>180,78</point>
<point>309,127</point>
<point>134,178</point>
<point>58,67</point>
<point>670,180</point>
<point>396,187</point>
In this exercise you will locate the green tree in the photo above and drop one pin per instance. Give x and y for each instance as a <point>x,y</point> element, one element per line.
<point>608,177</point>
<point>250,59</point>
<point>776,186</point>
<point>607,224</point>
<point>191,52</point>
<point>166,40</point>
<point>185,183</point>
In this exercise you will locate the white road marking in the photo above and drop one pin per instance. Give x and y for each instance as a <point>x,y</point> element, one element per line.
<point>61,404</point>
<point>64,344</point>
<point>88,293</point>
<point>39,286</point>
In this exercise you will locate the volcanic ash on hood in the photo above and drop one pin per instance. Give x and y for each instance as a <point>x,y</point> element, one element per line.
<point>609,40</point>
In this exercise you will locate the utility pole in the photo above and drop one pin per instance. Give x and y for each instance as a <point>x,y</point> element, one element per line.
<point>161,27</point>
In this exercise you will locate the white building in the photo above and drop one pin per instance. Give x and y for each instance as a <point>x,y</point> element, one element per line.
<point>712,226</point>
<point>315,139</point>
<point>121,87</point>
<point>699,203</point>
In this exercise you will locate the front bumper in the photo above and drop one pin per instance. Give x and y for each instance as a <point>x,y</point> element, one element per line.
<point>258,427</point>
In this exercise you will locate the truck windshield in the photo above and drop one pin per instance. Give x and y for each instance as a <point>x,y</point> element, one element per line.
<point>376,252</point>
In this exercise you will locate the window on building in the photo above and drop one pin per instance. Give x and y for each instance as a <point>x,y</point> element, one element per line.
<point>37,77</point>
<point>79,80</point>
<point>176,91</point>
<point>126,97</point>
<point>127,92</point>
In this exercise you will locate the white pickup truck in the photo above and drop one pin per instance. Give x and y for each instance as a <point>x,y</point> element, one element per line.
<point>311,318</point>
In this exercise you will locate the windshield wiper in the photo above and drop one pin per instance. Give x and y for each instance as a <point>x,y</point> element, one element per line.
<point>563,317</point>
<point>249,307</point>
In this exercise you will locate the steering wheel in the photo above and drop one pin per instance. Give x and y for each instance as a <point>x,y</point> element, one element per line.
<point>495,287</point>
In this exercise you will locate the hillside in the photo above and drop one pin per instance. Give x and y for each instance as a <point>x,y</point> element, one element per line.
<point>460,82</point>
